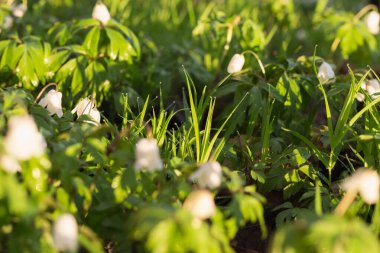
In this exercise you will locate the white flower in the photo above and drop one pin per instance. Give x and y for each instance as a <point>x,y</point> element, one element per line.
<point>9,164</point>
<point>148,155</point>
<point>366,182</point>
<point>101,13</point>
<point>7,22</point>
<point>372,21</point>
<point>86,106</point>
<point>325,72</point>
<point>52,101</point>
<point>208,175</point>
<point>201,204</point>
<point>95,114</point>
<point>23,140</point>
<point>65,233</point>
<point>19,10</point>
<point>236,63</point>
<point>372,87</point>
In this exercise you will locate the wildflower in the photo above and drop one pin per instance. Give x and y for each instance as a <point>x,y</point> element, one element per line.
<point>52,101</point>
<point>236,63</point>
<point>9,164</point>
<point>87,106</point>
<point>201,204</point>
<point>208,175</point>
<point>95,114</point>
<point>101,13</point>
<point>65,233</point>
<point>19,10</point>
<point>372,22</point>
<point>325,72</point>
<point>23,140</point>
<point>372,87</point>
<point>148,155</point>
<point>366,182</point>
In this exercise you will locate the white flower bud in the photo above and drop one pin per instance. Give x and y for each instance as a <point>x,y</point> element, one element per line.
<point>372,87</point>
<point>65,233</point>
<point>86,106</point>
<point>208,175</point>
<point>236,63</point>
<point>372,21</point>
<point>19,10</point>
<point>9,164</point>
<point>366,182</point>
<point>325,72</point>
<point>23,140</point>
<point>101,13</point>
<point>52,101</point>
<point>201,204</point>
<point>95,114</point>
<point>148,155</point>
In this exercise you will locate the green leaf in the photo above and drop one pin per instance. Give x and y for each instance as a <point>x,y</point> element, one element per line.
<point>91,41</point>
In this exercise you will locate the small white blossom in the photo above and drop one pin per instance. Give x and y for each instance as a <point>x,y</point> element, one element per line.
<point>208,175</point>
<point>95,114</point>
<point>52,101</point>
<point>65,233</point>
<point>236,63</point>
<point>372,21</point>
<point>325,72</point>
<point>148,155</point>
<point>372,87</point>
<point>23,140</point>
<point>19,10</point>
<point>201,204</point>
<point>101,13</point>
<point>86,106</point>
<point>9,164</point>
<point>366,182</point>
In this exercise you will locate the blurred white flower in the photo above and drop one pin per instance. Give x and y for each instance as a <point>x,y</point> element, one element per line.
<point>236,63</point>
<point>201,204</point>
<point>86,106</point>
<point>148,155</point>
<point>372,21</point>
<point>23,140</point>
<point>9,164</point>
<point>95,114</point>
<point>325,72</point>
<point>366,182</point>
<point>52,101</point>
<point>65,233</point>
<point>7,22</point>
<point>208,175</point>
<point>101,13</point>
<point>372,87</point>
<point>19,10</point>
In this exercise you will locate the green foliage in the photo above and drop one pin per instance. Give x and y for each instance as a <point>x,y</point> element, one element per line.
<point>156,71</point>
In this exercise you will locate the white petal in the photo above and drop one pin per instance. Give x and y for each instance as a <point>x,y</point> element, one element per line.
<point>208,175</point>
<point>236,63</point>
<point>65,233</point>
<point>148,155</point>
<point>9,164</point>
<point>23,140</point>
<point>101,13</point>
<point>201,204</point>
<point>372,21</point>
<point>366,182</point>
<point>360,97</point>
<point>325,72</point>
